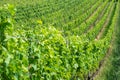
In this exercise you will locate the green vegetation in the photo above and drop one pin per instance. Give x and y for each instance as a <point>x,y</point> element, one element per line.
<point>54,40</point>
<point>111,69</point>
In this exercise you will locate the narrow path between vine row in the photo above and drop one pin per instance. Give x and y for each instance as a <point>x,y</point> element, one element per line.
<point>98,18</point>
<point>106,24</point>
<point>110,70</point>
<point>98,37</point>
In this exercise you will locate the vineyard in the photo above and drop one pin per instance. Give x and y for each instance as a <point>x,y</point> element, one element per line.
<point>56,39</point>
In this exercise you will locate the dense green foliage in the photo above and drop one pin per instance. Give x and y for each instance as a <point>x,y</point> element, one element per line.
<point>43,52</point>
